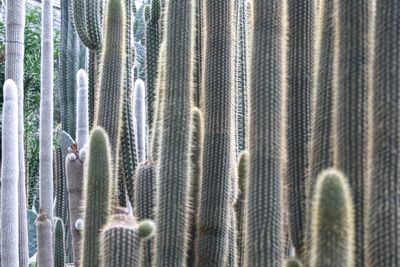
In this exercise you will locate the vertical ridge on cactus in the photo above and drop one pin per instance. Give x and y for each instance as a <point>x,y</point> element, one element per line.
<point>46,110</point>
<point>300,66</point>
<point>45,257</point>
<point>140,120</point>
<point>59,244</point>
<point>383,241</point>
<point>9,176</point>
<point>14,67</point>
<point>332,236</point>
<point>174,157</point>
<point>242,175</point>
<point>263,200</point>
<point>218,148</point>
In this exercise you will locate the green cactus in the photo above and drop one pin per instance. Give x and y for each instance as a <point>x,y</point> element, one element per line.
<point>174,158</point>
<point>97,195</point>
<point>332,229</point>
<point>9,176</point>
<point>143,206</point>
<point>44,256</point>
<point>59,243</point>
<point>199,52</point>
<point>293,262</point>
<point>263,211</point>
<point>383,242</point>
<point>351,83</point>
<point>239,207</point>
<point>321,138</point>
<point>119,240</point>
<point>300,66</point>
<point>219,140</point>
<point>152,54</point>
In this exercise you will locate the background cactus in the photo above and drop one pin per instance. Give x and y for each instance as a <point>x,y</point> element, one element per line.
<point>82,122</point>
<point>98,185</point>
<point>9,176</point>
<point>59,243</point>
<point>45,257</point>
<point>218,148</point>
<point>383,243</point>
<point>332,222</point>
<point>174,157</point>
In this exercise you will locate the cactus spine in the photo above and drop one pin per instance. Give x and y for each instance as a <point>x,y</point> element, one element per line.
<point>383,242</point>
<point>44,240</point>
<point>14,67</point>
<point>140,119</point>
<point>144,205</point>
<point>321,140</point>
<point>300,66</point>
<point>119,241</point>
<point>59,244</point>
<point>263,212</point>
<point>9,176</point>
<point>82,125</point>
<point>174,156</point>
<point>46,111</point>
<point>218,149</point>
<point>98,187</point>
<point>332,222</point>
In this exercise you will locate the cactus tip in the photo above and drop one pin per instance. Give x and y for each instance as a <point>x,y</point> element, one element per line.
<point>82,78</point>
<point>79,224</point>
<point>293,262</point>
<point>139,89</point>
<point>146,228</point>
<point>71,157</point>
<point>10,90</point>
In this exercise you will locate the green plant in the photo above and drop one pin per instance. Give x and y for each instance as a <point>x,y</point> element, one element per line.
<point>59,243</point>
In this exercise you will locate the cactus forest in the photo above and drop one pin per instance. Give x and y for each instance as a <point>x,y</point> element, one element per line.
<point>221,133</point>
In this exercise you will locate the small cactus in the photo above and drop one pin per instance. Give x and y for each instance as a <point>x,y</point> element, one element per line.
<point>59,243</point>
<point>146,229</point>
<point>332,229</point>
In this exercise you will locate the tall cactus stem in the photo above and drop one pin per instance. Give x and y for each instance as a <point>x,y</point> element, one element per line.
<point>140,120</point>
<point>82,123</point>
<point>44,256</point>
<point>242,174</point>
<point>59,243</point>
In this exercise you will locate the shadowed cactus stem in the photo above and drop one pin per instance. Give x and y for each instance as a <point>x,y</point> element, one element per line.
<point>59,243</point>
<point>44,229</point>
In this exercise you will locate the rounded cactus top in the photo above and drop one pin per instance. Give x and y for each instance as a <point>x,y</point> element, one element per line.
<point>10,91</point>
<point>82,79</point>
<point>146,228</point>
<point>139,89</point>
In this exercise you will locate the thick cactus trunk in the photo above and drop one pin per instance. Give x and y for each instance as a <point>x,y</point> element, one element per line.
<point>9,176</point>
<point>14,67</point>
<point>219,139</point>
<point>46,110</point>
<point>174,156</point>
<point>263,211</point>
<point>300,66</point>
<point>45,257</point>
<point>383,247</point>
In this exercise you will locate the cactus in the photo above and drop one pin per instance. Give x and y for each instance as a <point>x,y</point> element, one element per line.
<point>59,244</point>
<point>321,138</point>
<point>97,194</point>
<point>9,176</point>
<point>112,73</point>
<point>293,262</point>
<point>46,111</point>
<point>119,241</point>
<point>218,148</point>
<point>45,257</point>
<point>351,104</point>
<point>14,67</point>
<point>144,205</point>
<point>153,34</point>
<point>332,229</point>
<point>174,157</point>
<point>263,211</point>
<point>300,67</point>
<point>82,124</point>
<point>242,174</point>
<point>140,119</point>
<point>199,52</point>
<point>74,173</point>
<point>383,242</point>
<point>32,235</point>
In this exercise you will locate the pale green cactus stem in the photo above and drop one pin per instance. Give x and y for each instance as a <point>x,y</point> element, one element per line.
<point>59,243</point>
<point>140,120</point>
<point>9,176</point>
<point>44,256</point>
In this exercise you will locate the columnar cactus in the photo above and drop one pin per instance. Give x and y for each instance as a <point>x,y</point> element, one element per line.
<point>199,52</point>
<point>140,120</point>
<point>263,211</point>
<point>321,138</point>
<point>332,229</point>
<point>74,173</point>
<point>383,242</point>
<point>300,66</point>
<point>293,262</point>
<point>174,156</point>
<point>153,40</point>
<point>242,174</point>
<point>144,204</point>
<point>46,111</point>
<point>218,148</point>
<point>9,176</point>
<point>82,122</point>
<point>44,256</point>
<point>14,67</point>
<point>119,240</point>
<point>59,243</point>
<point>351,83</point>
<point>97,195</point>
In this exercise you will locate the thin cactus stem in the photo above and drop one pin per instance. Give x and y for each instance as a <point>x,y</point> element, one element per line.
<point>59,243</point>
<point>82,122</point>
<point>140,120</point>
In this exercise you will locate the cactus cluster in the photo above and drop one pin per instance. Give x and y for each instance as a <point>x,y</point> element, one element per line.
<point>207,133</point>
